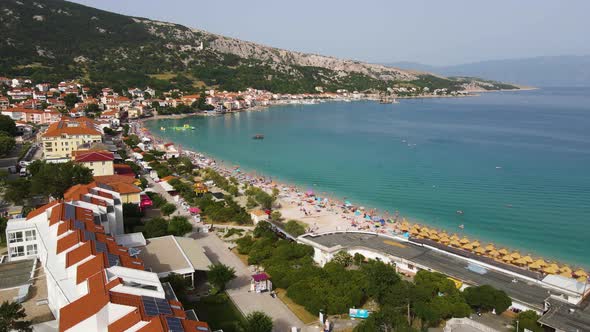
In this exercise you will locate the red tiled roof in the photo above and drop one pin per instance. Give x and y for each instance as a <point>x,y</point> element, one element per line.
<point>92,155</point>
<point>40,210</point>
<point>91,266</point>
<point>71,126</point>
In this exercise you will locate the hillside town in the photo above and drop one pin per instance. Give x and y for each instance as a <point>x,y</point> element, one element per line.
<point>109,228</point>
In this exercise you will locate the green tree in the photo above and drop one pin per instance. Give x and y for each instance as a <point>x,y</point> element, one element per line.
<point>258,321</point>
<point>49,179</point>
<point>358,259</point>
<point>167,209</point>
<point>17,191</point>
<point>11,318</point>
<point>343,258</point>
<point>71,99</point>
<point>3,224</point>
<point>131,216</point>
<point>381,277</point>
<point>7,125</point>
<point>179,226</point>
<point>528,320</point>
<point>7,143</point>
<point>219,275</point>
<point>294,228</point>
<point>155,227</point>
<point>179,283</point>
<point>486,298</point>
<point>93,108</point>
<point>276,215</point>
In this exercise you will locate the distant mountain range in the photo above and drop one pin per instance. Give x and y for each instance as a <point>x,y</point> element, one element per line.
<point>547,71</point>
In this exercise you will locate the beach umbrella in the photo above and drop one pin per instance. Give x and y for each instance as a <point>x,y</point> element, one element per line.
<point>527,259</point>
<point>464,240</point>
<point>520,261</point>
<point>503,251</point>
<point>566,269</point>
<point>414,231</point>
<point>540,263</point>
<point>424,234</point>
<point>434,237</point>
<point>424,229</point>
<point>475,244</point>
<point>404,227</point>
<point>455,237</point>
<point>507,258</point>
<point>443,234</point>
<point>582,279</point>
<point>566,274</point>
<point>493,253</point>
<point>455,243</point>
<point>480,250</point>
<point>551,269</point>
<point>490,247</point>
<point>444,240</point>
<point>581,273</point>
<point>467,246</point>
<point>515,255</point>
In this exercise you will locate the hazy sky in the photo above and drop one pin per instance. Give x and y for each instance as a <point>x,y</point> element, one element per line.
<point>432,32</point>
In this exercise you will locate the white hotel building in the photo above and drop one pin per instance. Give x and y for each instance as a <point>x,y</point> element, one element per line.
<point>93,283</point>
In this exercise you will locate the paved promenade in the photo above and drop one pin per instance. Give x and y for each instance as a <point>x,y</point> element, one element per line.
<point>239,288</point>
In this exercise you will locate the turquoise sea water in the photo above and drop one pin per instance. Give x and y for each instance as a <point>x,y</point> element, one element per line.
<point>516,163</point>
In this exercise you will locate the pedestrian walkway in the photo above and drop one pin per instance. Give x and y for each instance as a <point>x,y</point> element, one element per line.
<point>239,288</point>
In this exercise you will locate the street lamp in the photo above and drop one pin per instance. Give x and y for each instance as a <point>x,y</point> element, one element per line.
<point>517,325</point>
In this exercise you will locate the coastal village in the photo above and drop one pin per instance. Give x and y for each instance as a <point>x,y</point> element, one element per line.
<point>134,246</point>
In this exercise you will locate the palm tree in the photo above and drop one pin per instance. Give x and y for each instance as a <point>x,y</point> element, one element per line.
<point>11,314</point>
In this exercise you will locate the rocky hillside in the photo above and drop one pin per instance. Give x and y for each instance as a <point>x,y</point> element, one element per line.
<point>53,39</point>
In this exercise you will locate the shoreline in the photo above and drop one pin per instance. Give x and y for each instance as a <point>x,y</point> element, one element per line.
<point>259,108</point>
<point>329,218</point>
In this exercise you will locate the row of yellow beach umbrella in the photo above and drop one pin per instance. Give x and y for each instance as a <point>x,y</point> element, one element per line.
<point>490,250</point>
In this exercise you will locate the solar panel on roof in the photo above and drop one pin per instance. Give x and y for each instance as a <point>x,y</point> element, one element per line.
<point>70,212</point>
<point>174,324</point>
<point>163,306</point>
<point>113,260</point>
<point>149,306</point>
<point>79,225</point>
<point>100,246</point>
<point>89,236</point>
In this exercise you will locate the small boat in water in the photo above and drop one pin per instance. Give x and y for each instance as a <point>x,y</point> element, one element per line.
<point>162,129</point>
<point>258,136</point>
<point>460,212</point>
<point>184,127</point>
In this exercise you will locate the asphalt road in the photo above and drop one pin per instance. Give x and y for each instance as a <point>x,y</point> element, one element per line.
<point>519,289</point>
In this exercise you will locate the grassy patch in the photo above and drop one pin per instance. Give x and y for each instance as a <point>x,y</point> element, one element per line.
<point>218,311</point>
<point>299,311</point>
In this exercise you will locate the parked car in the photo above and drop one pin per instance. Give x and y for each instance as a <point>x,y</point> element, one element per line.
<point>24,163</point>
<point>23,172</point>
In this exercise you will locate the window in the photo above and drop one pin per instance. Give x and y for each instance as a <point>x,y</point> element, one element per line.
<point>17,251</point>
<point>30,235</point>
<point>15,237</point>
<point>31,249</point>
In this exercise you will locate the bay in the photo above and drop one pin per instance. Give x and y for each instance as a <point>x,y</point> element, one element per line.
<point>516,163</point>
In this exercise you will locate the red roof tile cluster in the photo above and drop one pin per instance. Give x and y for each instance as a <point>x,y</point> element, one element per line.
<point>73,126</point>
<point>87,156</point>
<point>81,243</point>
